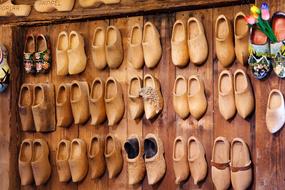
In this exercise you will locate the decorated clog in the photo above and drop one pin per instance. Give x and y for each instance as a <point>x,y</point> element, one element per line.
<point>4,68</point>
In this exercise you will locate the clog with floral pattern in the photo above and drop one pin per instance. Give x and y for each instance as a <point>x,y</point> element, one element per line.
<point>43,55</point>
<point>4,68</point>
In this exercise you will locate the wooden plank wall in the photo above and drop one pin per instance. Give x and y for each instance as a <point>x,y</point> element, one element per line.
<point>266,149</point>
<point>124,7</point>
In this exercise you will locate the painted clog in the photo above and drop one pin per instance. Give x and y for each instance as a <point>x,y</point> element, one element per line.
<point>42,54</point>
<point>29,53</point>
<point>8,8</point>
<point>46,6</point>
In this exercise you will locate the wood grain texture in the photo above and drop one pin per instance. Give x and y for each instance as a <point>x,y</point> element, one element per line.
<point>266,150</point>
<point>123,8</point>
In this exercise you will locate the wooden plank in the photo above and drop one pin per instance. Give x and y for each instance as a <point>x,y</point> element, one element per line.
<point>202,129</point>
<point>123,8</point>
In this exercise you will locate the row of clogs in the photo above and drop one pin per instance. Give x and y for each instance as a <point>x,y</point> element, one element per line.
<point>235,94</point>
<point>70,53</point>
<point>36,107</point>
<point>46,6</point>
<point>189,97</point>
<point>231,164</point>
<point>37,54</point>
<point>189,157</point>
<point>188,42</point>
<point>229,45</point>
<point>33,161</point>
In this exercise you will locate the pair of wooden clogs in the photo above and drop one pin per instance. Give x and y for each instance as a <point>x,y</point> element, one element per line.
<point>37,54</point>
<point>235,93</point>
<point>144,46</point>
<point>36,107</point>
<point>107,47</point>
<point>33,161</point>
<point>189,97</point>
<point>70,53</point>
<point>231,164</point>
<point>189,157</point>
<point>144,97</point>
<point>188,42</point>
<point>145,156</point>
<point>229,45</point>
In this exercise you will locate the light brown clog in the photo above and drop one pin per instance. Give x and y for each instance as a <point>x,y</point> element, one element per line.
<point>241,31</point>
<point>63,107</point>
<point>40,162</point>
<point>220,162</point>
<point>97,161</point>
<point>197,42</point>
<point>154,158</point>
<point>152,49</point>
<point>114,47</point>
<point>78,161</point>
<point>62,157</point>
<point>180,98</point>
<point>152,96</point>
<point>77,59</point>
<point>96,102</point>
<point>44,107</point>
<point>224,41</point>
<point>24,162</point>
<point>8,8</point>
<point>113,155</point>
<point>136,108</point>
<point>244,98</point>
<point>98,48</point>
<point>45,6</point>
<point>61,54</point>
<point>134,156</point>
<point>25,103</point>
<point>180,161</point>
<point>114,101</point>
<point>135,51</point>
<point>179,47</point>
<point>226,95</point>
<point>196,97</point>
<point>197,160</point>
<point>79,93</point>
<point>241,166</point>
<point>275,113</point>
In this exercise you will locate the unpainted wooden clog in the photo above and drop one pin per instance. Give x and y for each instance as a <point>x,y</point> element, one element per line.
<point>113,155</point>
<point>220,162</point>
<point>197,160</point>
<point>226,95</point>
<point>134,155</point>
<point>63,106</point>
<point>114,101</point>
<point>96,102</point>
<point>78,161</point>
<point>98,48</point>
<point>61,54</point>
<point>8,8</point>
<point>180,98</point>
<point>152,49</point>
<point>179,47</point>
<point>24,162</point>
<point>136,107</point>
<point>154,158</point>
<point>46,6</point>
<point>224,41</point>
<point>96,157</point>
<point>79,93</point>
<point>62,157</point>
<point>114,47</point>
<point>44,107</point>
<point>180,161</point>
<point>40,162</point>
<point>76,53</point>
<point>197,41</point>
<point>135,49</point>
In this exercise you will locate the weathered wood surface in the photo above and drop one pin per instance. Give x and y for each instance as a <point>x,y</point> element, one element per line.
<point>125,7</point>
<point>266,149</point>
